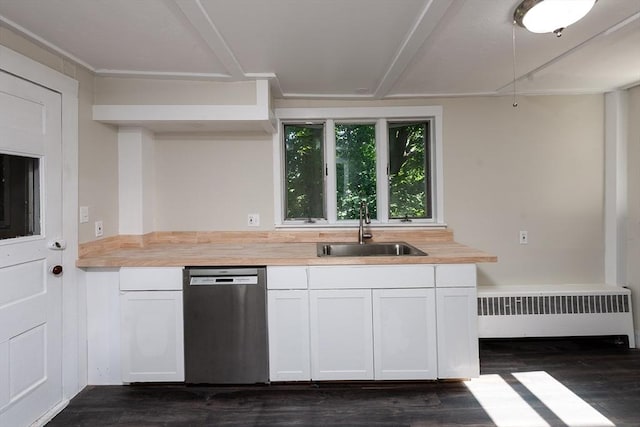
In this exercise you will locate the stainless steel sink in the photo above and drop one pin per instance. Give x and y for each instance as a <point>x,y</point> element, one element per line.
<point>368,249</point>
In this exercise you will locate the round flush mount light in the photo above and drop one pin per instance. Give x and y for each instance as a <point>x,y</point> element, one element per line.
<point>551,16</point>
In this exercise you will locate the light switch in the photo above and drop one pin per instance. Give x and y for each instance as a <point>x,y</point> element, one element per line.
<point>84,214</point>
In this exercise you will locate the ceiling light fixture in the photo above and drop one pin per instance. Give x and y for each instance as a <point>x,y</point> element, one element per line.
<point>551,16</point>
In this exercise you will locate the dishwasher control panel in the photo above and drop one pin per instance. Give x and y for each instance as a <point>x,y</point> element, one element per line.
<point>223,280</point>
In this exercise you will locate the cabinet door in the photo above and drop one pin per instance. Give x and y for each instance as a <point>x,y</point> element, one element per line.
<point>288,314</point>
<point>341,334</point>
<point>152,336</point>
<point>457,318</point>
<point>404,325</point>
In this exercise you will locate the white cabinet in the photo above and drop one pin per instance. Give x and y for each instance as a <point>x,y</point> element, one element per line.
<point>288,317</point>
<point>152,336</point>
<point>457,319</point>
<point>151,322</point>
<point>365,322</point>
<point>288,323</point>
<point>404,334</point>
<point>372,322</point>
<point>341,334</point>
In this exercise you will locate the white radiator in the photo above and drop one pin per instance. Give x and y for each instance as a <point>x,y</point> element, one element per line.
<point>554,311</point>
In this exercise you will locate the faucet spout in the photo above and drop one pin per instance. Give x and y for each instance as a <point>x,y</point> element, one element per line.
<point>364,219</point>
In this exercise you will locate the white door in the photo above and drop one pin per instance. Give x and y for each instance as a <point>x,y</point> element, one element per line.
<point>341,334</point>
<point>30,221</point>
<point>404,334</point>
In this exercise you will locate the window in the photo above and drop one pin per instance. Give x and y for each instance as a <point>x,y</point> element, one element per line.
<point>304,171</point>
<point>355,169</point>
<point>333,158</point>
<point>409,187</point>
<point>19,196</point>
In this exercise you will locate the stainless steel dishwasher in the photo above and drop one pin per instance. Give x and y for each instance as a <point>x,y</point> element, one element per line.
<point>225,325</point>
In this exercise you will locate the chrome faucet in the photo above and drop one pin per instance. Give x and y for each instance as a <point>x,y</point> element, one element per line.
<point>364,219</point>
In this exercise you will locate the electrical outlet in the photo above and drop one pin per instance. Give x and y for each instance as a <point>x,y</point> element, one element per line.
<point>253,220</point>
<point>524,238</point>
<point>99,229</point>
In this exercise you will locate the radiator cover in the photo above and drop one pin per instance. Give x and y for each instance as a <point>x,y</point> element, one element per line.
<point>552,304</point>
<point>554,310</point>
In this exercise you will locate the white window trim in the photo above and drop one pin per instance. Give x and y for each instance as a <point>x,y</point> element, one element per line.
<point>380,115</point>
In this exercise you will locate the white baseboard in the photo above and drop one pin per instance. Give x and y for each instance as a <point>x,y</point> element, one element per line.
<point>43,420</point>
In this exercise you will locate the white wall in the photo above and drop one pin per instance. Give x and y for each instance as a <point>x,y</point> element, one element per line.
<point>98,165</point>
<point>213,182</point>
<point>537,167</point>
<point>633,223</point>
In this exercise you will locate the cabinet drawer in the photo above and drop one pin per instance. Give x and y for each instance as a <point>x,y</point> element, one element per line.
<point>455,275</point>
<point>150,278</point>
<point>371,276</point>
<point>286,277</point>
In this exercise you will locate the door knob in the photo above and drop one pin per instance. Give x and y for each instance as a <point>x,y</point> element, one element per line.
<point>56,270</point>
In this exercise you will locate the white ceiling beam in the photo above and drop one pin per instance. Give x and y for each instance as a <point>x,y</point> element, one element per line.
<point>170,75</point>
<point>427,21</point>
<point>204,26</point>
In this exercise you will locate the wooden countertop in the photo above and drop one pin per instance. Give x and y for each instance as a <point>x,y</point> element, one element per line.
<point>168,253</point>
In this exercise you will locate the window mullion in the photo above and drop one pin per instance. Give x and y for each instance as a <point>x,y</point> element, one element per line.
<point>436,165</point>
<point>382,165</point>
<point>330,171</point>
<point>279,180</point>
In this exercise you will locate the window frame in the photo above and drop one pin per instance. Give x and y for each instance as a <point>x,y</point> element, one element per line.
<point>380,116</point>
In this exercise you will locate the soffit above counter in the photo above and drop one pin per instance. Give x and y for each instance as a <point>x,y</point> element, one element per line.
<point>167,118</point>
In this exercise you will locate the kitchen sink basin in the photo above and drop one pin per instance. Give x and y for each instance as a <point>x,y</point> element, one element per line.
<point>368,249</point>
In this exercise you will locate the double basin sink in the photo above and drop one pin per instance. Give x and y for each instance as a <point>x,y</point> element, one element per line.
<point>368,249</point>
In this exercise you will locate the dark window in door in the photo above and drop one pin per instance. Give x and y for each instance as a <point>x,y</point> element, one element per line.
<point>19,196</point>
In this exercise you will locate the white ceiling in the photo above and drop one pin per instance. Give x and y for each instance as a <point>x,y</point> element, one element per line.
<point>354,49</point>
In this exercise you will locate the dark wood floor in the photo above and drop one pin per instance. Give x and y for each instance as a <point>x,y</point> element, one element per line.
<point>603,373</point>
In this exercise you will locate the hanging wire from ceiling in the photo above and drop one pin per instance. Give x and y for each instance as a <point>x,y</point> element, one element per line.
<point>513,50</point>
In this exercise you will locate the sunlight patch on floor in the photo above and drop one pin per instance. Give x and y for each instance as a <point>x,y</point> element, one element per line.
<point>567,405</point>
<point>502,403</point>
<point>507,408</point>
